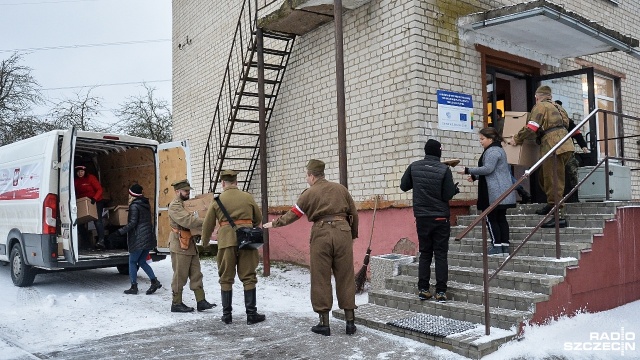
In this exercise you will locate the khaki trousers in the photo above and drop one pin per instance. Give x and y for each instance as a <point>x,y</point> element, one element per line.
<point>546,177</point>
<point>332,250</point>
<point>185,267</point>
<point>246,261</point>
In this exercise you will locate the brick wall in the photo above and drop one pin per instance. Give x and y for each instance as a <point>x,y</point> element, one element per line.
<point>397,53</point>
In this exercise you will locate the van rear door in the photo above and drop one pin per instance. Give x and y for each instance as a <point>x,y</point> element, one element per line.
<point>67,194</point>
<point>172,164</point>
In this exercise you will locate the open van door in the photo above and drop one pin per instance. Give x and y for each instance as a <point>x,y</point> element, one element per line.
<point>67,195</point>
<point>173,163</point>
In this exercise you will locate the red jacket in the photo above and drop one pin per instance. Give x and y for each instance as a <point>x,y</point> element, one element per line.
<point>88,186</point>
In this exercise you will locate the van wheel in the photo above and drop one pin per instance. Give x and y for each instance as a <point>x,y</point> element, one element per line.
<point>21,273</point>
<point>123,269</point>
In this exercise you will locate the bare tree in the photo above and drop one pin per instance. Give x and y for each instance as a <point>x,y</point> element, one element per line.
<point>19,91</point>
<point>145,116</point>
<point>80,112</point>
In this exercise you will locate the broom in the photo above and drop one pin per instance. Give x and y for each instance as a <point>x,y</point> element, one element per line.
<point>361,276</point>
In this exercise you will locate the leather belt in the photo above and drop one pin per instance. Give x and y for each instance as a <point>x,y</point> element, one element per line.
<point>329,218</point>
<point>238,222</point>
<point>552,130</point>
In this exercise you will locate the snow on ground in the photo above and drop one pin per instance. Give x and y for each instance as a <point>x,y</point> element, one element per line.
<point>65,309</point>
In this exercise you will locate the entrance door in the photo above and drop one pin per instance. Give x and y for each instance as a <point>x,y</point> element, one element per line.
<point>575,89</point>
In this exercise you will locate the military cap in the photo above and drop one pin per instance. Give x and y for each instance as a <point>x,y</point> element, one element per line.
<point>228,175</point>
<point>544,89</point>
<point>181,185</point>
<point>315,166</point>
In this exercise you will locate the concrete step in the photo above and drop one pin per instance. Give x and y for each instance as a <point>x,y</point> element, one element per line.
<point>545,249</point>
<point>473,344</point>
<point>538,283</point>
<point>571,208</point>
<point>519,263</point>
<point>472,293</point>
<point>451,309</point>
<point>573,220</point>
<point>519,233</point>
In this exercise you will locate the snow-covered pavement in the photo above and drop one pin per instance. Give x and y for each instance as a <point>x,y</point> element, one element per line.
<point>66,312</point>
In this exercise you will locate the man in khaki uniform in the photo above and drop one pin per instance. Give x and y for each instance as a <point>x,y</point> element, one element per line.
<point>549,122</point>
<point>245,213</point>
<point>332,210</point>
<point>184,257</point>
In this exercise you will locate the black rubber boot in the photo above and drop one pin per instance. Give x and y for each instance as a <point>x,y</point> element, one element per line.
<point>323,326</point>
<point>155,285</point>
<point>350,318</point>
<point>250,305</point>
<point>226,297</point>
<point>133,290</point>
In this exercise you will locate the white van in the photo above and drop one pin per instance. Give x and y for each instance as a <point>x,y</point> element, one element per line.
<point>38,212</point>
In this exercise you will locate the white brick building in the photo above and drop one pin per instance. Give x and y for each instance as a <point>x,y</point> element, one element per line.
<point>397,54</point>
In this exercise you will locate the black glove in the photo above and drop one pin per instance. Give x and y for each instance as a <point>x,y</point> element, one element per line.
<point>93,201</point>
<point>457,188</point>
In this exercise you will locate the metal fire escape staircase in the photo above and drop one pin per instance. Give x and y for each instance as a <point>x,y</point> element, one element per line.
<point>233,141</point>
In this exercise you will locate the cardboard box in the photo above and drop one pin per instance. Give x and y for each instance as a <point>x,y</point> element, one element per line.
<point>201,204</point>
<point>526,154</point>
<point>119,215</point>
<point>86,210</point>
<point>513,122</point>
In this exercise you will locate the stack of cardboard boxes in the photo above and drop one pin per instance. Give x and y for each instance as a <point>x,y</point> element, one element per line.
<point>526,154</point>
<point>200,204</point>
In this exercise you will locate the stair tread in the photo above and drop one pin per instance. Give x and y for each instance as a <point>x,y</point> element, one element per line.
<point>548,261</point>
<point>544,279</point>
<point>479,288</point>
<point>463,306</point>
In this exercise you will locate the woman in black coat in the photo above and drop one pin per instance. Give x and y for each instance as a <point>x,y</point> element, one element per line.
<point>140,239</point>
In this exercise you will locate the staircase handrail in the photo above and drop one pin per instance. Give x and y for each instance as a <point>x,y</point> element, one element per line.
<point>486,212</point>
<point>226,83</point>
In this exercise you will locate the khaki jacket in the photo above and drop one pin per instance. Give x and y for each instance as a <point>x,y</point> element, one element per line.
<point>324,198</point>
<point>547,116</point>
<point>241,206</point>
<point>179,217</point>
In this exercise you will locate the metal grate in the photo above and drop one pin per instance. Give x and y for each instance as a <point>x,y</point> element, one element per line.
<point>433,325</point>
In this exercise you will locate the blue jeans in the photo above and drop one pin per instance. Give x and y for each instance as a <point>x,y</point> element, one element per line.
<point>139,258</point>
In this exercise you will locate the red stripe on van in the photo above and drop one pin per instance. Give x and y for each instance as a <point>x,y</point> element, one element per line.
<point>21,194</point>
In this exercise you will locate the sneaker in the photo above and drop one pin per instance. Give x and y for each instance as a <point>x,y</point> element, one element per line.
<point>424,295</point>
<point>495,250</point>
<point>505,250</point>
<point>441,296</point>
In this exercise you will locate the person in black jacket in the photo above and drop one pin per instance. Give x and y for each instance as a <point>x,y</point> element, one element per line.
<point>140,239</point>
<point>433,187</point>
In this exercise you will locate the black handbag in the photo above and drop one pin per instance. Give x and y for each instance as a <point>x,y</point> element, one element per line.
<point>248,237</point>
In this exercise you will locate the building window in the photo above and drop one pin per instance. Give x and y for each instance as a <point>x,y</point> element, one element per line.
<point>605,90</point>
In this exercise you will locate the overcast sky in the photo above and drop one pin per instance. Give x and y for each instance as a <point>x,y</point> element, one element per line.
<point>116,71</point>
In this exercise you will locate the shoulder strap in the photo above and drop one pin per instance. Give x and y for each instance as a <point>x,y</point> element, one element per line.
<point>224,211</point>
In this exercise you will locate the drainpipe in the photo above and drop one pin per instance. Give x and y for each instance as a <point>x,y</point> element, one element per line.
<point>342,125</point>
